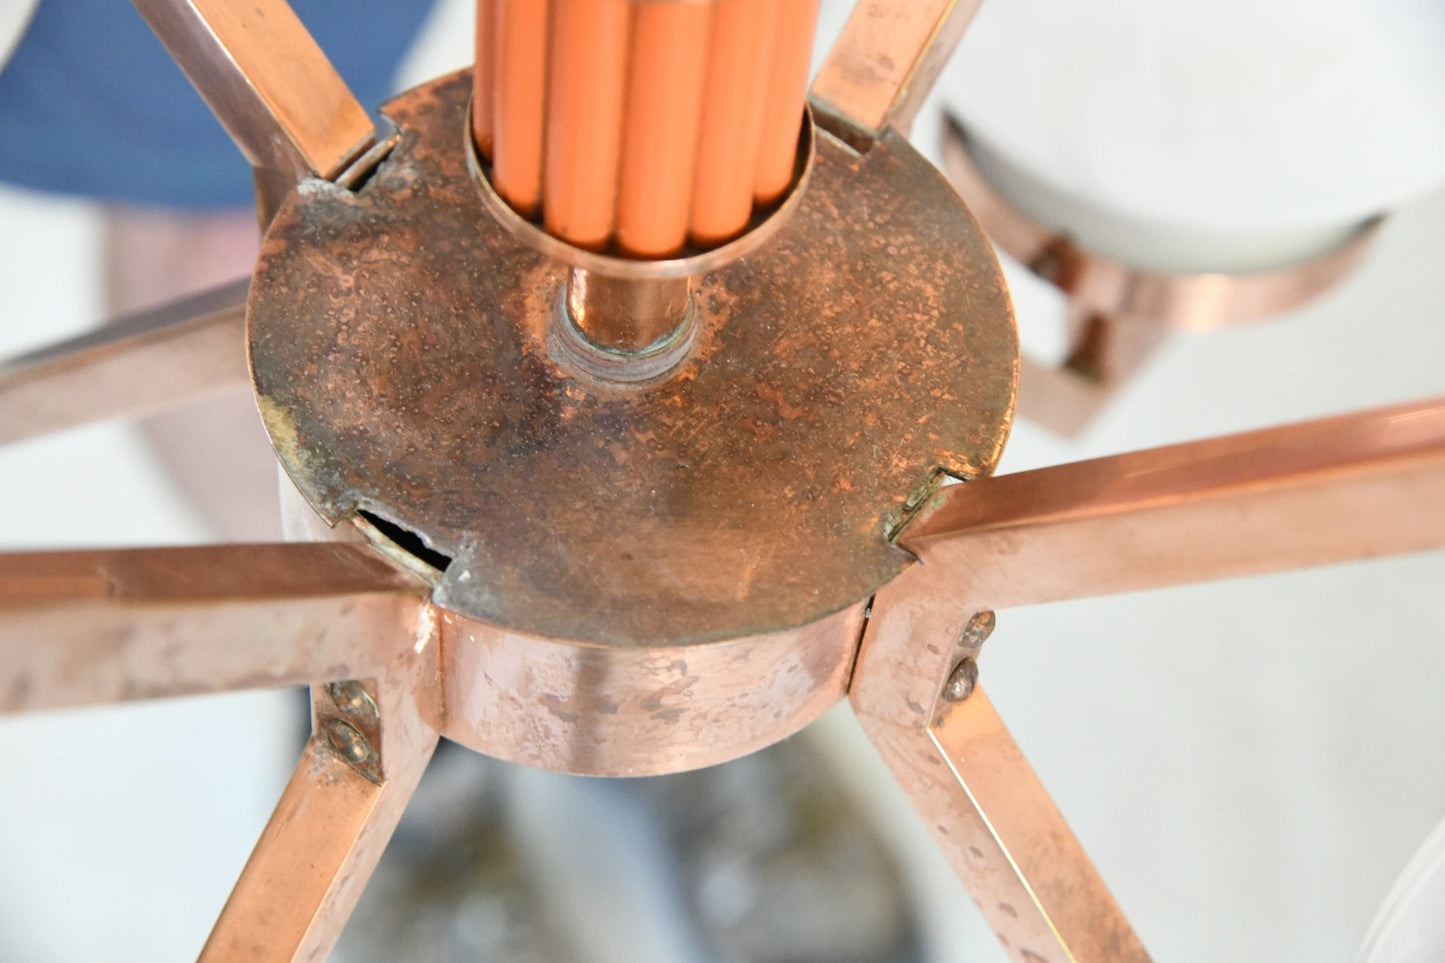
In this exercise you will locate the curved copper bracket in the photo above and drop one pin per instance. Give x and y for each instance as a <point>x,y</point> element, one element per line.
<point>1119,315</point>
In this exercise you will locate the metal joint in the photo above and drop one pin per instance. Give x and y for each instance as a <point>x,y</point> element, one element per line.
<point>347,714</point>
<point>964,677</point>
<point>356,173</point>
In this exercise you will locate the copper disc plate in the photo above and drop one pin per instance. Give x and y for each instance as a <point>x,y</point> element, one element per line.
<point>398,349</point>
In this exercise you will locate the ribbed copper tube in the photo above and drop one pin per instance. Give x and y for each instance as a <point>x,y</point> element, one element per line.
<point>484,77</point>
<point>587,77</point>
<point>663,115</point>
<point>640,126</point>
<point>788,92</point>
<point>519,100</point>
<point>739,74</point>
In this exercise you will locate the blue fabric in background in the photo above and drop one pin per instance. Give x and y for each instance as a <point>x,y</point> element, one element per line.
<point>92,105</point>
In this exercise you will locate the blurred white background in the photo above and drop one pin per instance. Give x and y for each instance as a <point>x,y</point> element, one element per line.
<point>1250,763</point>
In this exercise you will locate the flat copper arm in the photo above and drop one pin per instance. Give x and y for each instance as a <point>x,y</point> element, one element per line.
<point>88,627</point>
<point>1053,897</point>
<point>1325,491</point>
<point>370,745</point>
<point>969,781</point>
<point>312,861</point>
<point>135,366</point>
<point>1358,486</point>
<point>886,60</point>
<point>267,81</point>
<point>1104,353</point>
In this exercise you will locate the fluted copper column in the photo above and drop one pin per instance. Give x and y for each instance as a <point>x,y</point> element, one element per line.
<point>638,126</point>
<point>641,130</point>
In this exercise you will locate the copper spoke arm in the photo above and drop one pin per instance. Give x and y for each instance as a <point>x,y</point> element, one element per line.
<point>886,59</point>
<point>313,859</point>
<point>267,81</point>
<point>1060,888</point>
<point>1324,491</point>
<point>969,781</point>
<point>1332,490</point>
<point>337,813</point>
<point>87,627</point>
<point>137,365</point>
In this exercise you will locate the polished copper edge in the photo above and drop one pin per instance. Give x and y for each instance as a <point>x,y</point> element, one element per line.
<point>1331,490</point>
<point>600,710</point>
<point>86,627</point>
<point>267,81</point>
<point>1361,485</point>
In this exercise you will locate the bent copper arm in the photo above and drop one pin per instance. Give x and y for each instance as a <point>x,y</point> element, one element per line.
<point>88,627</point>
<point>886,60</point>
<point>1102,285</point>
<point>135,366</point>
<point>1332,490</point>
<point>968,780</point>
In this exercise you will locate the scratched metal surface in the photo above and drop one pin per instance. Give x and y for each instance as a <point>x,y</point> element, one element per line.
<point>398,346</point>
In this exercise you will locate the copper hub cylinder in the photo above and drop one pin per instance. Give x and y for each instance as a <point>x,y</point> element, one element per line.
<point>647,576</point>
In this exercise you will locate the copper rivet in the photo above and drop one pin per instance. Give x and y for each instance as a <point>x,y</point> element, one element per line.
<point>352,698</point>
<point>961,681</point>
<point>347,741</point>
<point>978,629</point>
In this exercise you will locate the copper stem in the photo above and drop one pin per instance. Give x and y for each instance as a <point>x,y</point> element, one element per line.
<point>626,315</point>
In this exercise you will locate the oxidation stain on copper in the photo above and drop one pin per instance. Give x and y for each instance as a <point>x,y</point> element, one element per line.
<point>398,348</point>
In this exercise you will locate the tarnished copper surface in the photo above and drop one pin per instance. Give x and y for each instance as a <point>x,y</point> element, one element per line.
<point>398,349</point>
